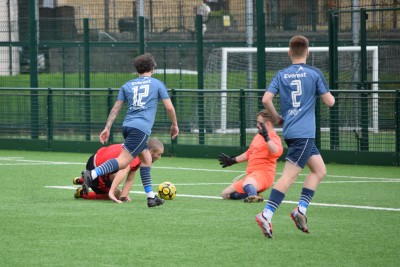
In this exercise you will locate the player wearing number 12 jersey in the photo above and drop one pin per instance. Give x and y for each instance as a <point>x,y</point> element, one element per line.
<point>298,86</point>
<point>141,96</point>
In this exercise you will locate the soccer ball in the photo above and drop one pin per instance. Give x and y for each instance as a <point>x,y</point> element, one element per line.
<point>167,190</point>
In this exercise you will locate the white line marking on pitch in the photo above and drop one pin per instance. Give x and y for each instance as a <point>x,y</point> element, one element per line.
<point>286,202</point>
<point>19,160</point>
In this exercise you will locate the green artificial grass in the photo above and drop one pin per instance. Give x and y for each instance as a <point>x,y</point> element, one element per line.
<point>44,226</point>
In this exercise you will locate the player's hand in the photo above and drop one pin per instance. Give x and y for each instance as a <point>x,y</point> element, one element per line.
<point>226,161</point>
<point>264,132</point>
<point>279,121</point>
<point>125,199</point>
<point>113,198</point>
<point>104,135</point>
<point>174,131</point>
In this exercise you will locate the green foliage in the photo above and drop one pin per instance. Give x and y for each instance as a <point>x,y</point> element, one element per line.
<point>44,226</point>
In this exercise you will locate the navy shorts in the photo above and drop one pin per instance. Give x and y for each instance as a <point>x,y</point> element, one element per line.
<point>135,140</point>
<point>300,150</point>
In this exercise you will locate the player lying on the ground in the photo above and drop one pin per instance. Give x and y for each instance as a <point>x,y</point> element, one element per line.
<point>101,185</point>
<point>261,157</point>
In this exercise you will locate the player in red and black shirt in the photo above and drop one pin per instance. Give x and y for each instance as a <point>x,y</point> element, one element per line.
<point>101,185</point>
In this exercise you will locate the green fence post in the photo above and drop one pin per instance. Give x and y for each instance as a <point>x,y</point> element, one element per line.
<point>261,68</point>
<point>173,100</point>
<point>141,35</point>
<point>333,80</point>
<point>110,104</point>
<point>50,127</point>
<point>200,79</point>
<point>87,76</point>
<point>63,66</point>
<point>86,53</point>
<point>397,127</point>
<point>318,123</point>
<point>364,144</point>
<point>33,52</point>
<point>242,106</point>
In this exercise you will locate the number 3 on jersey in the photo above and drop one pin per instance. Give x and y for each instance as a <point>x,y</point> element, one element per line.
<point>140,92</point>
<point>296,93</point>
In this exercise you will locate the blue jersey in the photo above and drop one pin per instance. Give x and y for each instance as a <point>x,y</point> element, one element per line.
<point>298,86</point>
<point>142,95</point>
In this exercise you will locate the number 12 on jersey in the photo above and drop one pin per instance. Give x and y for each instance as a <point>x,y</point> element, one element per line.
<point>140,92</point>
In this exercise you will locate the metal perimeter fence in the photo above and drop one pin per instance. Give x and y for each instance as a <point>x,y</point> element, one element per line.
<point>363,129</point>
<point>201,48</point>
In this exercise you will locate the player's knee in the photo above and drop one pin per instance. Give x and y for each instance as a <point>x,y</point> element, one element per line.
<point>321,173</point>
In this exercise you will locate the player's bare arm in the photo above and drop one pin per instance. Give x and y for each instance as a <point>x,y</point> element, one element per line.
<point>269,106</point>
<point>128,184</point>
<point>242,157</point>
<point>105,134</point>
<point>114,113</point>
<point>328,99</point>
<point>172,117</point>
<point>120,175</point>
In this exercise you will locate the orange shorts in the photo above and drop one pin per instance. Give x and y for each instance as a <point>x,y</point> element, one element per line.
<point>263,179</point>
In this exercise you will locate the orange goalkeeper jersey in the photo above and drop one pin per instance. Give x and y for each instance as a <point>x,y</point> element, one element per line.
<point>260,158</point>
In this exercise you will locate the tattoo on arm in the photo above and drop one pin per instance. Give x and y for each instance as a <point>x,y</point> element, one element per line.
<point>114,113</point>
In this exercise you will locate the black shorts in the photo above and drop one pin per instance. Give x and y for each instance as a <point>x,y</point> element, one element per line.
<point>102,184</point>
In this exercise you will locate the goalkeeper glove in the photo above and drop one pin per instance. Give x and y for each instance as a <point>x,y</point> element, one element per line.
<point>226,161</point>
<point>264,132</point>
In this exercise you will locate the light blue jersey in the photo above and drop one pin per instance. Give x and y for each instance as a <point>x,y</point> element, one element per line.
<point>298,86</point>
<point>142,95</point>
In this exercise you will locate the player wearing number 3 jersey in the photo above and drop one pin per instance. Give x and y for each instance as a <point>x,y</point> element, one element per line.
<point>298,86</point>
<point>141,96</point>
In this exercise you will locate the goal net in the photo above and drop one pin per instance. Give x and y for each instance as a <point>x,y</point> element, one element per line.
<point>236,68</point>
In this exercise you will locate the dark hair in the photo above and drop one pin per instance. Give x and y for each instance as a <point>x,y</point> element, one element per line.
<point>265,114</point>
<point>144,63</point>
<point>298,45</point>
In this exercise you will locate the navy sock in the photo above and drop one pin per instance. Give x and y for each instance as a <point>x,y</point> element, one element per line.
<point>236,195</point>
<point>146,178</point>
<point>109,166</point>
<point>275,199</point>
<point>305,198</point>
<point>250,190</point>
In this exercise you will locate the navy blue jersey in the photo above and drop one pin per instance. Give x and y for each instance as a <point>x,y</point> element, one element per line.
<point>142,95</point>
<point>298,86</point>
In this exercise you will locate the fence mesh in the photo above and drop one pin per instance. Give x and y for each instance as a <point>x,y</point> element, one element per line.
<point>207,117</point>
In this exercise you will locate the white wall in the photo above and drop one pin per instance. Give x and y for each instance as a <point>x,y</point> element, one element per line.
<point>7,66</point>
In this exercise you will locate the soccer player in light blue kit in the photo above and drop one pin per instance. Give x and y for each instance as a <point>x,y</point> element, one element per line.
<point>298,85</point>
<point>141,95</point>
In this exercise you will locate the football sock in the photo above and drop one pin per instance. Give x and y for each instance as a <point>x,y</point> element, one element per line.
<point>275,199</point>
<point>78,181</point>
<point>109,166</point>
<point>146,181</point>
<point>305,198</point>
<point>250,190</point>
<point>93,195</point>
<point>236,195</point>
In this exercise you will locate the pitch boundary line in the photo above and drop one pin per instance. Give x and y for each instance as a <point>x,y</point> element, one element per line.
<point>43,162</point>
<point>285,201</point>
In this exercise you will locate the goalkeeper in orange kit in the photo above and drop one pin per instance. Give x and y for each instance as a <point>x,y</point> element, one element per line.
<point>261,157</point>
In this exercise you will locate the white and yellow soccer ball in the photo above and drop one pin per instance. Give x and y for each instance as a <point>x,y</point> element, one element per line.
<point>167,190</point>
